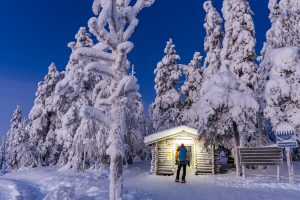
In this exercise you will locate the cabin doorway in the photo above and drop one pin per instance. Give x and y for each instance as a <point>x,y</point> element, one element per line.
<point>190,150</point>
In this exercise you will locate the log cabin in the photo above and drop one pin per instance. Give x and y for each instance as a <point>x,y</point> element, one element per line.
<point>203,160</point>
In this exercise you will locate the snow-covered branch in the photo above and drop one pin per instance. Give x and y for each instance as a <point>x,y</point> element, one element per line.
<point>84,53</point>
<point>95,114</point>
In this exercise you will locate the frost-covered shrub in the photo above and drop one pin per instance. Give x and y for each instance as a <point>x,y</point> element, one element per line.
<point>61,193</point>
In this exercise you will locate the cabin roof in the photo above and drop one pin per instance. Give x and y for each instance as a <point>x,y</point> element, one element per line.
<point>166,133</point>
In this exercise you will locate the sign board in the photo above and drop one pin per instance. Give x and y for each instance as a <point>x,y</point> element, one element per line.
<point>285,132</point>
<point>286,137</point>
<point>169,156</point>
<point>292,144</point>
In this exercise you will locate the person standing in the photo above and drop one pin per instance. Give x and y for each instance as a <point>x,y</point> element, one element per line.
<point>182,159</point>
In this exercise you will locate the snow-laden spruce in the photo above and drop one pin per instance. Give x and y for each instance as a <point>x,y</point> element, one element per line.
<point>239,50</point>
<point>72,93</point>
<point>264,70</point>
<point>285,18</point>
<point>15,144</point>
<point>43,121</point>
<point>274,10</point>
<point>282,90</point>
<point>226,111</point>
<point>165,109</point>
<point>284,32</point>
<point>239,41</point>
<point>2,153</point>
<point>115,22</point>
<point>213,39</point>
<point>191,87</point>
<point>135,123</point>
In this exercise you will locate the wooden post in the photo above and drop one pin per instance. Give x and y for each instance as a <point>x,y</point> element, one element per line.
<point>152,170</point>
<point>290,165</point>
<point>213,159</point>
<point>244,171</point>
<point>195,156</point>
<point>156,157</point>
<point>83,163</point>
<point>278,172</point>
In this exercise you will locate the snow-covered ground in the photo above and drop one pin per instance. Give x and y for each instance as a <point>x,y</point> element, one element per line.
<point>51,181</point>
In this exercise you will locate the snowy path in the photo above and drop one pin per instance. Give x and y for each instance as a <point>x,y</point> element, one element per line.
<point>261,184</point>
<point>224,186</point>
<point>13,189</point>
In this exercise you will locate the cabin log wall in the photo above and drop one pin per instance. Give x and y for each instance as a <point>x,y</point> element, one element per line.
<point>165,157</point>
<point>207,160</point>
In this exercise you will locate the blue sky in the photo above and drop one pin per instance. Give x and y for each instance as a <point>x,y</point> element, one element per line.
<point>35,33</point>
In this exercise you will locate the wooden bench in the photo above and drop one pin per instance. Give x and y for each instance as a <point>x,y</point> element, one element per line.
<point>261,156</point>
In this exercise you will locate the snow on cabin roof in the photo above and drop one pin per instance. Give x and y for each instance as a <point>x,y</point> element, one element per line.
<point>166,133</point>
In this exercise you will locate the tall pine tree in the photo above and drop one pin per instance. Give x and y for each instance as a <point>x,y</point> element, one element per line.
<point>164,111</point>
<point>238,54</point>
<point>15,145</point>
<point>43,121</point>
<point>190,90</point>
<point>279,69</point>
<point>72,93</point>
<point>213,39</point>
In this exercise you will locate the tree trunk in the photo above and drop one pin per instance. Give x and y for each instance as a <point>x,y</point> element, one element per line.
<point>83,163</point>
<point>290,165</point>
<point>260,128</point>
<point>236,139</point>
<point>116,153</point>
<point>116,178</point>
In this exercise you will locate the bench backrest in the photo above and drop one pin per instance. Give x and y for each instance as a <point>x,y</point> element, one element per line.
<point>261,156</point>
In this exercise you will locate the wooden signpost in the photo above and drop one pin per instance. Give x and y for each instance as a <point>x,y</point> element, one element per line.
<point>286,138</point>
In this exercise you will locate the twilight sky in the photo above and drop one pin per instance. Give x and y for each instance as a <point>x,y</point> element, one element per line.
<point>34,33</point>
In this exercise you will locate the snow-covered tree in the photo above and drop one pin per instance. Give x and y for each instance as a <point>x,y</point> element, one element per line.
<point>191,87</point>
<point>274,10</point>
<point>135,123</point>
<point>113,27</point>
<point>43,121</point>
<point>165,109</point>
<point>284,32</point>
<point>239,41</point>
<point>282,90</point>
<point>16,140</point>
<point>213,39</point>
<point>84,152</point>
<point>279,69</point>
<point>226,109</point>
<point>263,73</point>
<point>239,49</point>
<point>71,93</point>
<point>2,153</point>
